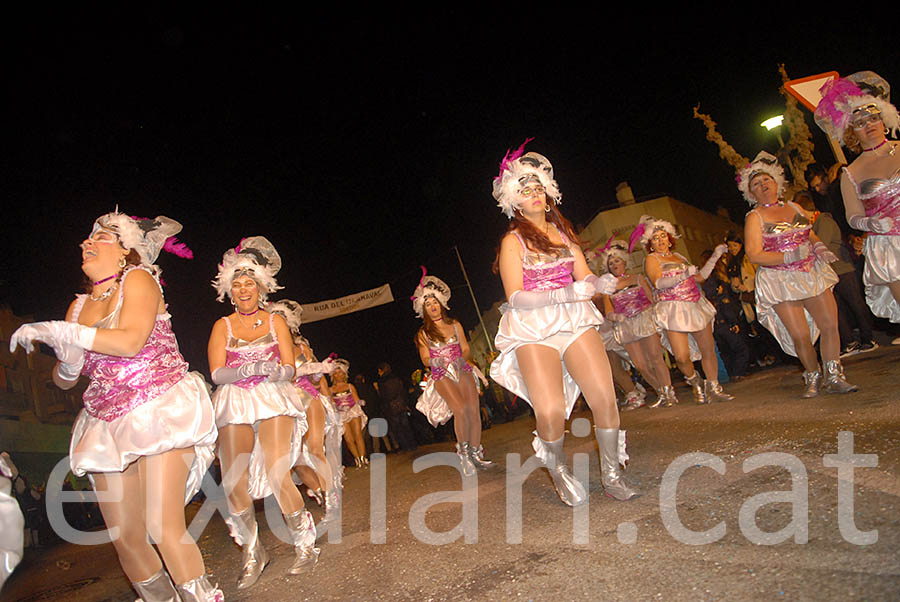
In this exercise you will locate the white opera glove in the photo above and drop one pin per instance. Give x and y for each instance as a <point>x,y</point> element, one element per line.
<point>822,252</point>
<point>71,370</point>
<point>614,317</point>
<point>579,290</point>
<point>798,254</point>
<point>66,339</point>
<point>877,225</point>
<point>438,362</point>
<point>670,281</point>
<point>320,368</point>
<point>605,284</point>
<point>279,373</point>
<point>710,264</point>
<point>226,376</point>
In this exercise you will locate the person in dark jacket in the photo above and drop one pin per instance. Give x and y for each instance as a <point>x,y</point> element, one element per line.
<point>395,405</point>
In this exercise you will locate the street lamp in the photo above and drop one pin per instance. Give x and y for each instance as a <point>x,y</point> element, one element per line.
<point>772,123</point>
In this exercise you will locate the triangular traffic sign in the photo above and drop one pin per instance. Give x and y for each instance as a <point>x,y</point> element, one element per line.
<point>806,89</point>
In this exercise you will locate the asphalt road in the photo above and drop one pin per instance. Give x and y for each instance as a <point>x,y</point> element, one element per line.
<point>638,550</point>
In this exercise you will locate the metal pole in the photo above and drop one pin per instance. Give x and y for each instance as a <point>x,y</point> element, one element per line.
<point>471,292</point>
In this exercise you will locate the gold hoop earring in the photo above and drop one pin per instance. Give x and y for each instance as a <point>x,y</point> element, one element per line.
<point>547,209</point>
<point>122,262</point>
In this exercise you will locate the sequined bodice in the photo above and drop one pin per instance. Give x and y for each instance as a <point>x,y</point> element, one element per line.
<point>543,272</point>
<point>120,384</point>
<point>783,236</point>
<point>343,400</point>
<point>239,352</point>
<point>686,290</point>
<point>452,353</point>
<point>881,198</point>
<point>630,301</point>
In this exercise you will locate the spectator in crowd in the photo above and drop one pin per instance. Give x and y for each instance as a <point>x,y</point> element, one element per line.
<point>396,406</point>
<point>729,326</point>
<point>368,394</point>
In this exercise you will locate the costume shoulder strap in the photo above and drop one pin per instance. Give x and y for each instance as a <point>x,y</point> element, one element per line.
<point>846,170</point>
<point>228,327</point>
<point>79,305</point>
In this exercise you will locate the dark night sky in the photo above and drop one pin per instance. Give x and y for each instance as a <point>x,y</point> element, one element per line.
<point>364,146</point>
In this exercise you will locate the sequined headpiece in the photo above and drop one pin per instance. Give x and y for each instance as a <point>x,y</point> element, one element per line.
<point>517,169</point>
<point>845,99</point>
<point>430,286</point>
<point>764,163</point>
<point>255,257</point>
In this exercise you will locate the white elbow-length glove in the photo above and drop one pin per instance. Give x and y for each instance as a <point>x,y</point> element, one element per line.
<point>225,375</point>
<point>312,368</point>
<point>605,284</point>
<point>68,340</point>
<point>670,281</point>
<point>876,225</point>
<point>822,252</point>
<point>279,373</point>
<point>798,254</point>
<point>710,264</point>
<point>579,290</point>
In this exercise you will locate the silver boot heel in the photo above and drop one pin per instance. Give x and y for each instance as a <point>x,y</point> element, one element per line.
<point>713,391</point>
<point>303,534</point>
<point>813,381</point>
<point>158,588</point>
<point>696,384</point>
<point>200,590</point>
<point>465,459</point>
<point>570,490</point>
<point>834,379</point>
<point>476,455</point>
<point>254,557</point>
<point>610,473</point>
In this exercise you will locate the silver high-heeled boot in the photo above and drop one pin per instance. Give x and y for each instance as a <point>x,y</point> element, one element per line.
<point>357,462</point>
<point>610,473</point>
<point>465,460</point>
<point>714,392</point>
<point>476,455</point>
<point>834,379</point>
<point>303,534</point>
<point>332,505</point>
<point>254,557</point>
<point>812,380</point>
<point>569,489</point>
<point>200,590</point>
<point>666,398</point>
<point>696,384</point>
<point>158,588</point>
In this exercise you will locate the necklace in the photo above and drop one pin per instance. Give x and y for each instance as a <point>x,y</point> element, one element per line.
<point>255,325</point>
<point>106,279</point>
<point>105,294</point>
<point>771,204</point>
<point>877,146</point>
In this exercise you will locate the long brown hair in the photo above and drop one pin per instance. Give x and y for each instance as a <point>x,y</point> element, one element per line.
<point>430,330</point>
<point>537,240</point>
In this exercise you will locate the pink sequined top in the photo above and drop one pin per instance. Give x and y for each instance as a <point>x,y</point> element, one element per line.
<point>686,290</point>
<point>343,400</point>
<point>239,352</point>
<point>452,353</point>
<point>880,198</point>
<point>542,272</point>
<point>630,301</point>
<point>120,384</point>
<point>780,237</point>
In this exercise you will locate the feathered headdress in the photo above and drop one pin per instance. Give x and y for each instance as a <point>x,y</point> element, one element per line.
<point>342,365</point>
<point>146,236</point>
<point>764,163</point>
<point>843,99</point>
<point>430,286</point>
<point>613,248</point>
<point>254,256</point>
<point>647,227</point>
<point>517,169</point>
<point>289,310</point>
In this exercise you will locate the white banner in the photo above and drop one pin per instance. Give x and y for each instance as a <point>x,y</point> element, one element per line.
<point>313,312</point>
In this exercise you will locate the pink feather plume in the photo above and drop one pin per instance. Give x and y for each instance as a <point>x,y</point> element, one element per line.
<point>421,280</point>
<point>606,247</point>
<point>636,236</point>
<point>176,247</point>
<point>512,156</point>
<point>836,92</point>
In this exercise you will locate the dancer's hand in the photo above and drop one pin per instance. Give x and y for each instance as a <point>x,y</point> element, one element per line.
<point>822,252</point>
<point>67,339</point>
<point>798,254</point>
<point>604,285</point>
<point>876,225</point>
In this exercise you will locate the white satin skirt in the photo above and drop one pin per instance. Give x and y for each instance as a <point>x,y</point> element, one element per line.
<point>12,525</point>
<point>882,266</point>
<point>354,412</point>
<point>332,438</point>
<point>236,405</point>
<point>777,286</point>
<point>180,418</point>
<point>434,407</point>
<point>684,316</point>
<point>556,326</point>
<point>637,327</point>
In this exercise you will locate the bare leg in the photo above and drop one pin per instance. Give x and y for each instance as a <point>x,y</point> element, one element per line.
<point>542,372</point>
<point>681,349</point>
<point>895,290</point>
<point>653,352</point>
<point>275,438</point>
<point>163,478</point>
<point>349,440</point>
<point>308,476</point>
<point>708,359</point>
<point>823,309</point>
<point>315,443</point>
<point>638,356</point>
<point>356,432</point>
<point>589,366</point>
<point>794,319</point>
<point>619,375</point>
<point>138,558</point>
<point>235,446</point>
<point>451,393</point>
<point>469,392</point>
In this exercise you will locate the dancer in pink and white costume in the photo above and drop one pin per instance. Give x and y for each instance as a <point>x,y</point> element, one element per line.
<point>630,309</point>
<point>320,462</point>
<point>794,281</point>
<point>349,406</point>
<point>259,412</point>
<point>550,350</point>
<point>452,389</point>
<point>681,309</point>
<point>857,111</point>
<point>147,429</point>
